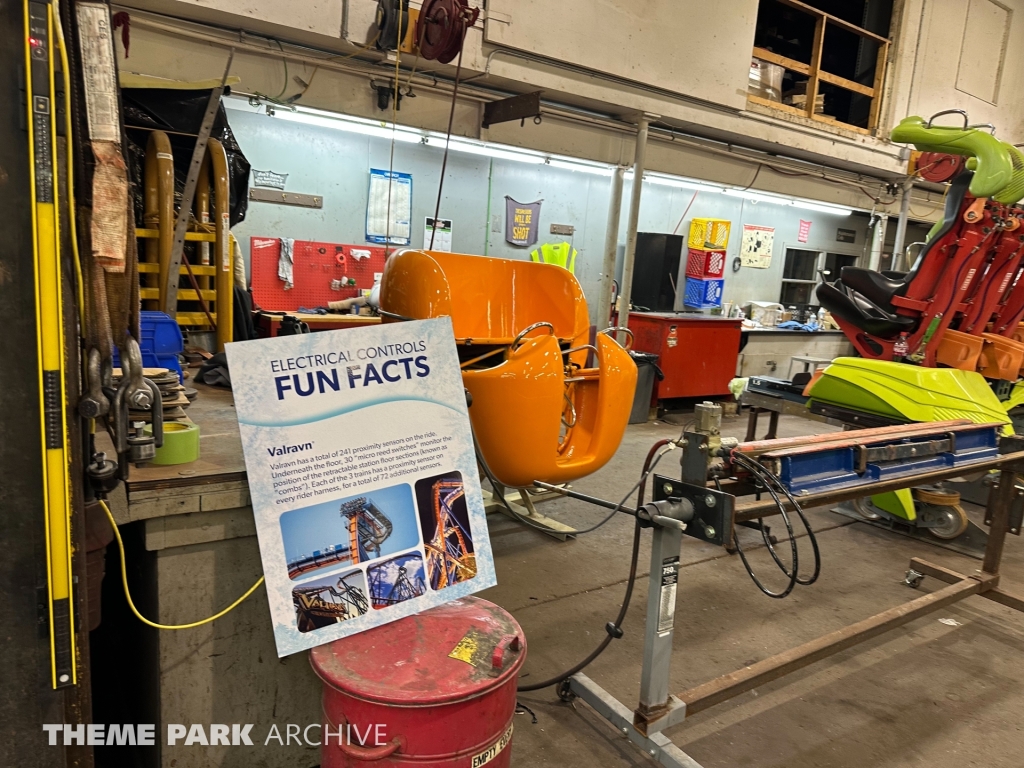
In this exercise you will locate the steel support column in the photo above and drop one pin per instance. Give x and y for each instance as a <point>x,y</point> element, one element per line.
<point>603,311</point>
<point>639,159</point>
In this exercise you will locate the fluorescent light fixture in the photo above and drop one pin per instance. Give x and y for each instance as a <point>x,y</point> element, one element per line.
<point>838,210</point>
<point>363,127</point>
<point>487,150</point>
<point>678,183</point>
<point>756,197</point>
<point>572,165</point>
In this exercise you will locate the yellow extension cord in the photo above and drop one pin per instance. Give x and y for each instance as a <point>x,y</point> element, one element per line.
<point>128,595</point>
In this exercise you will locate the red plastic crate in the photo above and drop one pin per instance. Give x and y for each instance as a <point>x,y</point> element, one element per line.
<point>701,263</point>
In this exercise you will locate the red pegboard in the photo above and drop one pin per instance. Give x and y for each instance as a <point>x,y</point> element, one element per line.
<point>315,265</point>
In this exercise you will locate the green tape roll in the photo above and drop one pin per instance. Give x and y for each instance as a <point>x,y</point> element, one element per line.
<point>181,443</point>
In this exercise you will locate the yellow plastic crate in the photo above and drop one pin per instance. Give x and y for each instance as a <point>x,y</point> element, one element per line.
<point>709,233</point>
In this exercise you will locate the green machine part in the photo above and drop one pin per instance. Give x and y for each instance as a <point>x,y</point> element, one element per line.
<point>899,503</point>
<point>994,167</point>
<point>909,392</point>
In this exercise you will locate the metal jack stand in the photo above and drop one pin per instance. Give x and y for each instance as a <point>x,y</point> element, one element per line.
<point>711,521</point>
<point>711,516</point>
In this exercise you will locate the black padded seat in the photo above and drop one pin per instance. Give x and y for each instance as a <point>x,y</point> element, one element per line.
<point>874,286</point>
<point>863,297</point>
<point>862,313</point>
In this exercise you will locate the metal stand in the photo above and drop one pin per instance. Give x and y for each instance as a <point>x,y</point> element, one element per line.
<point>522,503</point>
<point>659,710</point>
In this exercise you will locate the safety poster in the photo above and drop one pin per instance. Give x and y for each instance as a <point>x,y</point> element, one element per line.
<point>363,476</point>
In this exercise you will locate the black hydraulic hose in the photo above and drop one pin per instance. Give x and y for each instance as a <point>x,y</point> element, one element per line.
<point>768,479</point>
<point>614,630</point>
<point>768,474</point>
<point>747,464</point>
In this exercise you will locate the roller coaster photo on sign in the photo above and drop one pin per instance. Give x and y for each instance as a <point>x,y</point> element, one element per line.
<point>362,474</point>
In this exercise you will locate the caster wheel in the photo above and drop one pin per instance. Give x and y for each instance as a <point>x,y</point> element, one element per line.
<point>913,579</point>
<point>565,692</point>
<point>952,521</point>
<point>866,510</point>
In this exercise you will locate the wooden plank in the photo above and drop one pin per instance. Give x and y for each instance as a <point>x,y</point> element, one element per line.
<point>186,530</point>
<point>164,507</point>
<point>212,502</point>
<point>208,485</point>
<point>842,82</point>
<point>815,74</point>
<point>881,64</point>
<point>840,124</point>
<point>776,105</point>
<point>783,61</point>
<point>731,685</point>
<point>834,20</point>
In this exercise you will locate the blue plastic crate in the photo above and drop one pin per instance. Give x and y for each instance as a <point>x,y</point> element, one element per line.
<point>703,294</point>
<point>161,342</point>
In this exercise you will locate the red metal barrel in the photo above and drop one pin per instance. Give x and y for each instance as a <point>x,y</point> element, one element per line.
<point>434,690</point>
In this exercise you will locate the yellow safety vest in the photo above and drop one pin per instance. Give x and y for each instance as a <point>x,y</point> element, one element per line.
<point>560,254</point>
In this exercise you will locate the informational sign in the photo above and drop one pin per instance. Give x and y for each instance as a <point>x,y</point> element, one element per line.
<point>389,208</point>
<point>441,238</point>
<point>805,231</point>
<point>363,476</point>
<point>757,246</point>
<point>269,179</point>
<point>846,235</point>
<point>522,222</point>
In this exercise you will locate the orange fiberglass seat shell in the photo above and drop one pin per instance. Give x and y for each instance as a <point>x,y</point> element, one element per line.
<point>530,420</point>
<point>489,300</point>
<point>518,407</point>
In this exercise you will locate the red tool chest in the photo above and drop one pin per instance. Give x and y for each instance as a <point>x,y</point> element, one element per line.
<point>698,354</point>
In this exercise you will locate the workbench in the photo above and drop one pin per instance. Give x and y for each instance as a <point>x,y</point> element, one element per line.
<point>768,351</point>
<point>269,324</point>
<point>198,543</point>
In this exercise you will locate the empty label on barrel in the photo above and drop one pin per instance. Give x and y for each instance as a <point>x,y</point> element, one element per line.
<point>669,579</point>
<point>494,750</point>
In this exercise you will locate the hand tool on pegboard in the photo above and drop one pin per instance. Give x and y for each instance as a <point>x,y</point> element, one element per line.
<point>316,266</point>
<point>170,290</point>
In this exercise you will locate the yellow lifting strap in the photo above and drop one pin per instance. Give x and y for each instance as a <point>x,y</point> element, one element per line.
<point>560,254</point>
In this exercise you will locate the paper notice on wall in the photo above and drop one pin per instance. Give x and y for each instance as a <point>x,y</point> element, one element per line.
<point>804,233</point>
<point>441,237</point>
<point>363,476</point>
<point>757,246</point>
<point>389,208</point>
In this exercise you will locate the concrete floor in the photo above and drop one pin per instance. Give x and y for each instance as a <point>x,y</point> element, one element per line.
<point>932,693</point>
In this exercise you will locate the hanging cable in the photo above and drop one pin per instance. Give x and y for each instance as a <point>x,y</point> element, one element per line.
<point>614,629</point>
<point>128,594</point>
<point>447,139</point>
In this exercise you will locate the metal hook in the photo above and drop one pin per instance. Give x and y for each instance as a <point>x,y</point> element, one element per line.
<point>947,112</point>
<point>991,127</point>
